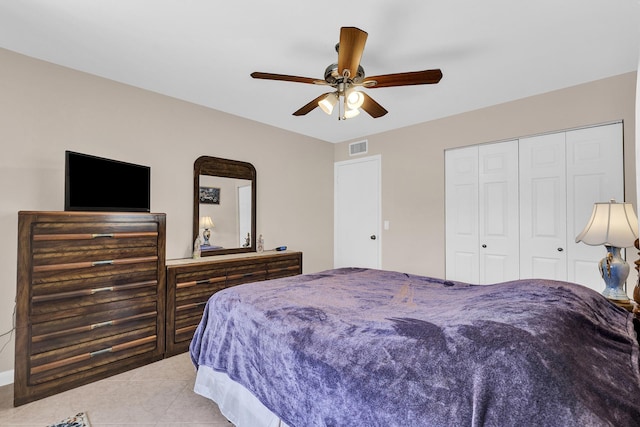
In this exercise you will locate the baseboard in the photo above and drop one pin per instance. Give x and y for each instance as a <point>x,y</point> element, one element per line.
<point>6,377</point>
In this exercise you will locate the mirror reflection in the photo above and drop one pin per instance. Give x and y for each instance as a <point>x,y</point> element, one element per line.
<point>225,212</point>
<point>224,205</point>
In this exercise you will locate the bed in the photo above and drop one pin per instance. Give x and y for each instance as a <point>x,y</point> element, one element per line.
<point>363,347</point>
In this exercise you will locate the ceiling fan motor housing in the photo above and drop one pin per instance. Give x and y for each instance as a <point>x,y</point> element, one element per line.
<point>333,77</point>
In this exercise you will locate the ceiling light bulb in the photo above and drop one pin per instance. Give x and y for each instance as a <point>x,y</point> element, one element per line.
<point>350,113</point>
<point>355,99</point>
<point>328,102</point>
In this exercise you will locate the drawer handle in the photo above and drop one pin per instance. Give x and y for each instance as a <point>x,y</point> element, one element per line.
<point>99,352</point>
<point>107,289</point>
<point>98,235</point>
<point>101,324</point>
<point>106,262</point>
<point>200,282</point>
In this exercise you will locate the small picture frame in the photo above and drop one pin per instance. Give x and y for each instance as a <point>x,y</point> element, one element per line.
<point>210,195</point>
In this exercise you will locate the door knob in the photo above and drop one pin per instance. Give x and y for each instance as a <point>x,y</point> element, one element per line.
<point>373,237</point>
<point>484,246</point>
<point>560,249</point>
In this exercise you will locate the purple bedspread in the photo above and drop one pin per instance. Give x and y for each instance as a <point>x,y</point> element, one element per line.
<point>360,347</point>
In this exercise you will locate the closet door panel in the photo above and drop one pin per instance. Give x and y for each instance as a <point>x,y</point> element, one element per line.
<point>461,206</point>
<point>498,212</point>
<point>543,207</point>
<point>594,174</point>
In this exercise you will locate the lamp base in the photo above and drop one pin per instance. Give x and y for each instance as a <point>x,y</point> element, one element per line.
<point>614,271</point>
<point>206,234</point>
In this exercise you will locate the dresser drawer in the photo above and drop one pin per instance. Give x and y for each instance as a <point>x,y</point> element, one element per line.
<point>241,272</point>
<point>65,257</point>
<point>46,252</point>
<point>186,322</point>
<point>286,266</point>
<point>104,320</point>
<point>71,360</point>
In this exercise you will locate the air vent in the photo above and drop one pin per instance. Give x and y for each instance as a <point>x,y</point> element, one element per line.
<point>358,148</point>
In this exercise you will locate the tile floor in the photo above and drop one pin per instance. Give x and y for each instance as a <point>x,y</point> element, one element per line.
<point>160,394</point>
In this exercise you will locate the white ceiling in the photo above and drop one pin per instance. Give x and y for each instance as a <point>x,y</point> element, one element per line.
<point>203,51</point>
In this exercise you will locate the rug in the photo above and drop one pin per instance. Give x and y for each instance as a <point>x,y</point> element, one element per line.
<point>78,420</point>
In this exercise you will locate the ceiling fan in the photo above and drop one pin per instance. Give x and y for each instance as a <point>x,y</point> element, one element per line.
<point>347,75</point>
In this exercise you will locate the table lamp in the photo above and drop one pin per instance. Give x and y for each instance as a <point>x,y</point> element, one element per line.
<point>206,222</point>
<point>615,226</point>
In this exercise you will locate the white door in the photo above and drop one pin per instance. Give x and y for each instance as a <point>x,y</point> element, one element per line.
<point>498,212</point>
<point>543,207</point>
<point>357,213</point>
<point>594,174</point>
<point>461,209</point>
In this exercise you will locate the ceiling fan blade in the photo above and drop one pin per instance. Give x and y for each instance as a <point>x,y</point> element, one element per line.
<point>352,41</point>
<point>310,106</point>
<point>286,78</point>
<point>374,109</point>
<point>404,79</point>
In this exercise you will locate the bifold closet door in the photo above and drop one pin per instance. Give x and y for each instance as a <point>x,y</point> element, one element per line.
<point>543,207</point>
<point>482,213</point>
<point>498,220</point>
<point>595,173</point>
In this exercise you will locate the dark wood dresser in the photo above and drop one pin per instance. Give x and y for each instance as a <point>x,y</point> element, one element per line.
<point>90,298</point>
<point>190,283</point>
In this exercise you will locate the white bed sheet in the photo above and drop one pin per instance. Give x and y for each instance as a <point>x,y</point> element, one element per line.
<point>236,403</point>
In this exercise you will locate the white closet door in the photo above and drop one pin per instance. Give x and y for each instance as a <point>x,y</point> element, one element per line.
<point>461,210</point>
<point>498,212</point>
<point>543,211</point>
<point>594,174</point>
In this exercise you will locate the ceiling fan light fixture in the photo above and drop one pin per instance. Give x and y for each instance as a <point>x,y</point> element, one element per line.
<point>354,100</point>
<point>351,113</point>
<point>328,102</point>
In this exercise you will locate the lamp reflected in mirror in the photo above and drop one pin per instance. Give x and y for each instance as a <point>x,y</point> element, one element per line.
<point>207,223</point>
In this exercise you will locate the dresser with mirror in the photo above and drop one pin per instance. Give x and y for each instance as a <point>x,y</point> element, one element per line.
<point>224,228</point>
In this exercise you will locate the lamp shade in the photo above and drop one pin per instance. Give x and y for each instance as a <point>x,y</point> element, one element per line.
<point>206,222</point>
<point>611,224</point>
<point>328,102</point>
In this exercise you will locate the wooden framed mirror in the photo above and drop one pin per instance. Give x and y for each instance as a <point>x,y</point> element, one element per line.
<point>225,192</point>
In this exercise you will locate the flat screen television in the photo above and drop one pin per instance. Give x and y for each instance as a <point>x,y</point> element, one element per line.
<point>97,184</point>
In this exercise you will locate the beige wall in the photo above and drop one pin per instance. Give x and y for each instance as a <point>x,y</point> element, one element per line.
<point>46,109</point>
<point>413,160</point>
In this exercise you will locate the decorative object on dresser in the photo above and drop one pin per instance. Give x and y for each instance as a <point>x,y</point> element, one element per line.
<point>90,298</point>
<point>615,226</point>
<point>190,284</point>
